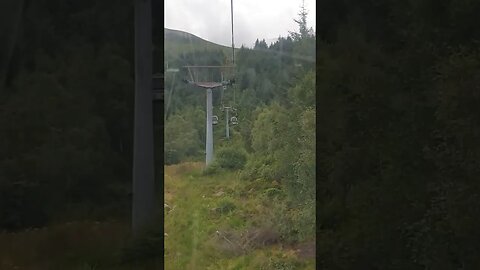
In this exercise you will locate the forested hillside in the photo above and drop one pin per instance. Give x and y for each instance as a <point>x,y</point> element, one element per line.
<point>261,183</point>
<point>178,42</point>
<point>67,116</point>
<point>397,135</point>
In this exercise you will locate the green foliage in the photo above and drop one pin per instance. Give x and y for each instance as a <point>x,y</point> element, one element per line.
<point>214,226</point>
<point>259,167</point>
<point>281,264</point>
<point>290,157</point>
<point>226,205</point>
<point>303,94</point>
<point>181,139</point>
<point>304,31</point>
<point>231,158</point>
<point>212,169</point>
<point>67,122</point>
<point>397,161</point>
<point>273,193</point>
<point>294,222</point>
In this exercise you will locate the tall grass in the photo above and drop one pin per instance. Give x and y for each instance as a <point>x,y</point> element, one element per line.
<point>211,222</point>
<point>219,221</point>
<point>63,246</point>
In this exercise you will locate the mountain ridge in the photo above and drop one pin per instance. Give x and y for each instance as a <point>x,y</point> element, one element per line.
<point>177,42</point>
<point>174,33</point>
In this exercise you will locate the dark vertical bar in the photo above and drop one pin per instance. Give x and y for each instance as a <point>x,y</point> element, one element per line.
<point>143,165</point>
<point>227,128</point>
<point>10,22</point>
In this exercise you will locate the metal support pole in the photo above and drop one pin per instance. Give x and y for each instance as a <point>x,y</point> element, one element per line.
<point>11,13</point>
<point>227,129</point>
<point>233,44</point>
<point>209,142</point>
<point>143,166</point>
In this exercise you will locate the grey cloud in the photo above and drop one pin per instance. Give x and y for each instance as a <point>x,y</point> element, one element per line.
<point>210,19</point>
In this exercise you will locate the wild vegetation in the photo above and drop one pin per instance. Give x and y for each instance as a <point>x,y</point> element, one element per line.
<point>223,222</point>
<point>397,139</point>
<point>398,134</point>
<point>255,205</point>
<point>67,111</point>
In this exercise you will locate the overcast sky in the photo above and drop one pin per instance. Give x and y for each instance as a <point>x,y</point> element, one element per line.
<point>252,19</point>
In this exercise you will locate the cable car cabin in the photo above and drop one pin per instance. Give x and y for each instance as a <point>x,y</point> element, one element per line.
<point>234,120</point>
<point>214,119</point>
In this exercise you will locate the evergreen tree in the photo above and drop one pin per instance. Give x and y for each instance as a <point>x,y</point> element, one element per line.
<point>304,31</point>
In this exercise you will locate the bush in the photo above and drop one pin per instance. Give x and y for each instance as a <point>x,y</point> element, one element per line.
<point>231,158</point>
<point>226,205</point>
<point>274,192</point>
<point>211,169</point>
<point>294,223</point>
<point>259,167</point>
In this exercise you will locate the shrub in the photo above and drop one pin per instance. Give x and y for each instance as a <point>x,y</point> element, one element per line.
<point>211,169</point>
<point>259,167</point>
<point>231,158</point>
<point>273,192</point>
<point>226,205</point>
<point>294,223</point>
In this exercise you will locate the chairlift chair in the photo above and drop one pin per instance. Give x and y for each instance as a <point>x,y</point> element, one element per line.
<point>214,119</point>
<point>234,120</point>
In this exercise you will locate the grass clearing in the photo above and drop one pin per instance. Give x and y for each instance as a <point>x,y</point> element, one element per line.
<point>211,222</point>
<point>221,222</point>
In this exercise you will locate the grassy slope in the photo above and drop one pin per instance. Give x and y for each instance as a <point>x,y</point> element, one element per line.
<point>74,245</point>
<point>177,42</point>
<point>201,206</point>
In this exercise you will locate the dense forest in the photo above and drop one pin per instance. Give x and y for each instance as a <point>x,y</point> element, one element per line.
<point>66,117</point>
<point>262,178</point>
<point>397,135</point>
<point>67,121</point>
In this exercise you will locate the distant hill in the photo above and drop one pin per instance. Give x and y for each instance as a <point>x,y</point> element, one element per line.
<point>177,42</point>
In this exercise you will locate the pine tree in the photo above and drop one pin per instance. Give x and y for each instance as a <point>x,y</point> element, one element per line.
<point>304,31</point>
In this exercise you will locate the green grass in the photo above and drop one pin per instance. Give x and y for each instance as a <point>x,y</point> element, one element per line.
<point>206,204</point>
<point>208,221</point>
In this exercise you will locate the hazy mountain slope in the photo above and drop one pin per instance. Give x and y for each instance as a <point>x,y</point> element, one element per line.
<point>177,42</point>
